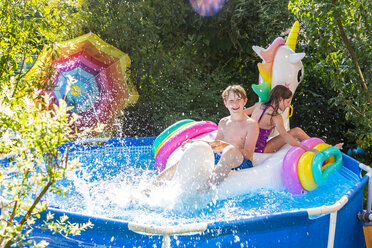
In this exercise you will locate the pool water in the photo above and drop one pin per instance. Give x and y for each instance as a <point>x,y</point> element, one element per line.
<point>110,179</point>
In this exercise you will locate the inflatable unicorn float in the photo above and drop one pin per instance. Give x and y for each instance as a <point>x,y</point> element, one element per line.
<point>290,168</point>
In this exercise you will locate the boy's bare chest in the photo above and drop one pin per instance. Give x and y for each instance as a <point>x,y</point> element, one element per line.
<point>235,133</point>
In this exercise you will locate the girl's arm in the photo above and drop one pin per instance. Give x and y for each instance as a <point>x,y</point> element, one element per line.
<point>289,139</point>
<point>249,110</point>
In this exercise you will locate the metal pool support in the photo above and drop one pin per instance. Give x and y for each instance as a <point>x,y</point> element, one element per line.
<point>369,174</point>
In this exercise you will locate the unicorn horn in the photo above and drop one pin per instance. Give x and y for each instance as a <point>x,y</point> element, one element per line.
<point>292,37</point>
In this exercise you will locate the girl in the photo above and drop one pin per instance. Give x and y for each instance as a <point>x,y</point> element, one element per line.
<point>268,118</point>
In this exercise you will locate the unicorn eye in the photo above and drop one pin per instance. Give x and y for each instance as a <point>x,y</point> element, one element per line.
<point>299,76</point>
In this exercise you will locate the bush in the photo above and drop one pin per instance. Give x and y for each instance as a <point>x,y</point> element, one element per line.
<point>181,62</point>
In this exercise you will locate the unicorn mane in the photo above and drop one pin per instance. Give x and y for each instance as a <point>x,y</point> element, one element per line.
<point>266,68</point>
<point>268,55</point>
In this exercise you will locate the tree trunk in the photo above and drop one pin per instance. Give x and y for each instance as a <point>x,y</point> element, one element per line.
<point>353,57</point>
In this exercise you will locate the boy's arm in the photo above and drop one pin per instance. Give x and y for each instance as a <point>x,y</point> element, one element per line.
<point>250,140</point>
<point>219,137</point>
<point>221,125</point>
<point>218,144</point>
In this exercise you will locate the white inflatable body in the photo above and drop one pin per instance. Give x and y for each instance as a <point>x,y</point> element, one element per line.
<point>266,173</point>
<point>197,162</point>
<point>195,166</point>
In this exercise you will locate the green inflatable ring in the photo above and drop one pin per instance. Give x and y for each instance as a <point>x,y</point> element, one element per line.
<point>168,131</point>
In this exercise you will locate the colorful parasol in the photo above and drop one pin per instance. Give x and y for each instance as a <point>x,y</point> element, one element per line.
<point>102,87</point>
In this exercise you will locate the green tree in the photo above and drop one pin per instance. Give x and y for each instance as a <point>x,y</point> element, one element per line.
<point>25,27</point>
<point>181,61</point>
<point>339,34</point>
<point>30,128</point>
<point>312,103</point>
<point>31,132</point>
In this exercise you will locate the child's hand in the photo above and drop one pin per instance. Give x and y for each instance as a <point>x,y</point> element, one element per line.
<point>312,150</point>
<point>218,145</point>
<point>184,144</point>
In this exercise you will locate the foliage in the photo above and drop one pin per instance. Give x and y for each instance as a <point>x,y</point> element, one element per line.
<point>31,132</point>
<point>30,128</point>
<point>312,103</point>
<point>25,27</point>
<point>339,34</point>
<point>181,62</point>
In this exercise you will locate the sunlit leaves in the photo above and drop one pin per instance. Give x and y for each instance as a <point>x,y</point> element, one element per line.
<point>31,131</point>
<point>332,58</point>
<point>25,26</point>
<point>31,128</point>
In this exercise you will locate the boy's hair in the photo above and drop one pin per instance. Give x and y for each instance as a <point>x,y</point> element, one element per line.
<point>236,89</point>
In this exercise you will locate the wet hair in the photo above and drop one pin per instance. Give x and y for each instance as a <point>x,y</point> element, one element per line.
<point>236,89</point>
<point>276,94</point>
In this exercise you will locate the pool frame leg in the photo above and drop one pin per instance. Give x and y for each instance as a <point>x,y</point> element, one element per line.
<point>369,196</point>
<point>368,169</point>
<point>166,241</point>
<point>332,229</point>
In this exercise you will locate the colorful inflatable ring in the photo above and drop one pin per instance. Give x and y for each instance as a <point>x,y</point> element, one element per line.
<point>172,134</point>
<point>289,172</point>
<point>312,169</point>
<point>168,131</point>
<point>312,142</point>
<point>321,147</point>
<point>176,140</point>
<point>290,166</point>
<point>305,173</point>
<point>322,172</point>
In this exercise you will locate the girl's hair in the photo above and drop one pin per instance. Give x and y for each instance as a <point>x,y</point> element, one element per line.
<point>276,94</point>
<point>236,89</point>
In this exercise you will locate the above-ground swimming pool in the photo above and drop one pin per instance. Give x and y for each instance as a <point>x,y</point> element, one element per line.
<point>105,191</point>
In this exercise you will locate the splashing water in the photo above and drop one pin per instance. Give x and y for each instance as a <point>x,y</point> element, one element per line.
<point>111,178</point>
<point>207,7</point>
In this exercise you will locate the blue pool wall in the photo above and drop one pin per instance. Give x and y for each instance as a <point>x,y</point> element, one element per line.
<point>293,229</point>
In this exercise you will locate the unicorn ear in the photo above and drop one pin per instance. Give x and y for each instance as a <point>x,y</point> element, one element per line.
<point>296,57</point>
<point>258,50</point>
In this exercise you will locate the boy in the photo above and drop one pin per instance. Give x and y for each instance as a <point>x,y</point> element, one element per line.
<point>234,143</point>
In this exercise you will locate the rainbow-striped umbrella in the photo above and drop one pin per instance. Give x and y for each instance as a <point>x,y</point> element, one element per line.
<point>102,87</point>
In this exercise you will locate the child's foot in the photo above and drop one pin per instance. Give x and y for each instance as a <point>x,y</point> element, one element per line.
<point>339,145</point>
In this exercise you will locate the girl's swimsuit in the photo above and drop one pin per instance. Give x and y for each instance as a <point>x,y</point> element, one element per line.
<point>263,134</point>
<point>244,165</point>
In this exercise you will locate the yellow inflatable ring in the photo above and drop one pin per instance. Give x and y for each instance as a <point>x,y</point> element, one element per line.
<point>305,171</point>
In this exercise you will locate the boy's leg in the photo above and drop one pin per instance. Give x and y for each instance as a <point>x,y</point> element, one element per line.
<point>231,157</point>
<point>166,175</point>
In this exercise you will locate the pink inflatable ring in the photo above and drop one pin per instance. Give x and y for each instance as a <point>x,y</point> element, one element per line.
<point>192,131</point>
